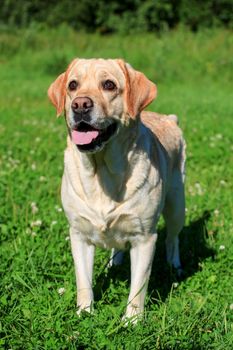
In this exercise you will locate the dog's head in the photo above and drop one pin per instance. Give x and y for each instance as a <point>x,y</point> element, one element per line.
<point>99,96</point>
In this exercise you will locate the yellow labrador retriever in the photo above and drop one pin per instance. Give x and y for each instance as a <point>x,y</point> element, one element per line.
<point>123,168</point>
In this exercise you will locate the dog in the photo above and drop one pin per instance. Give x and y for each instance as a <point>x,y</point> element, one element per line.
<point>123,168</point>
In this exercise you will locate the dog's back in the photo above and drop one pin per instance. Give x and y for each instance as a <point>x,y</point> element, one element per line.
<point>166,130</point>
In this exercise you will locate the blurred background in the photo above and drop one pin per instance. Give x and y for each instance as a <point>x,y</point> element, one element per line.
<point>113,16</point>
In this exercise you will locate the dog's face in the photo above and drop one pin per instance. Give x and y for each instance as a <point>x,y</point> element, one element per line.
<point>99,96</point>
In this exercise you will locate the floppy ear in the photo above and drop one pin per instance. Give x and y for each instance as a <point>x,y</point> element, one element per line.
<point>57,90</point>
<point>140,91</point>
<point>56,93</point>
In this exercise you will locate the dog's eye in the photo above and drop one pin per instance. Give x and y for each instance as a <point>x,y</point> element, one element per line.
<point>73,85</point>
<point>109,85</point>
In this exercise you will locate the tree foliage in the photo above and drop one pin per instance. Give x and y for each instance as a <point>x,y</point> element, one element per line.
<point>118,16</point>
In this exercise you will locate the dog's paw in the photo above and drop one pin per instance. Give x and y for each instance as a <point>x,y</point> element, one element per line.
<point>134,313</point>
<point>85,307</point>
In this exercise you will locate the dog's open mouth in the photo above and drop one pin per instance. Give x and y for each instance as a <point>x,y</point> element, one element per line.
<point>87,138</point>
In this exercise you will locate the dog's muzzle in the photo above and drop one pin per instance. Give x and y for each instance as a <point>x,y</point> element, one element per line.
<point>89,138</point>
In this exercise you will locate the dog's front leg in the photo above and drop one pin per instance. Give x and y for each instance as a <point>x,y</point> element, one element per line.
<point>83,254</point>
<point>141,257</point>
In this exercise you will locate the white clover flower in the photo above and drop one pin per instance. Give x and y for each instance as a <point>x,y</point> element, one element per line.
<point>53,223</point>
<point>34,208</point>
<point>199,188</point>
<point>231,307</point>
<point>222,247</point>
<point>191,191</point>
<point>175,285</point>
<point>59,209</point>
<point>67,238</point>
<point>33,166</point>
<point>36,223</point>
<point>42,178</point>
<point>222,182</point>
<point>216,212</point>
<point>61,291</point>
<point>37,139</point>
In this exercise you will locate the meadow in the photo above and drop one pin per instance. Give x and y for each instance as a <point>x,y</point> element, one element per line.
<point>193,73</point>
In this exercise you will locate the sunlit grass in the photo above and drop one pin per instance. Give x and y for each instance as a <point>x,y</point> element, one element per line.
<point>194,76</point>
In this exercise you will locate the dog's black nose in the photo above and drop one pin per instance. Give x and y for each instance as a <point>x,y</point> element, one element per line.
<point>81,105</point>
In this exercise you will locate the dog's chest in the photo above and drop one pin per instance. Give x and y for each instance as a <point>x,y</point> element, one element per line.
<point>113,218</point>
<point>107,223</point>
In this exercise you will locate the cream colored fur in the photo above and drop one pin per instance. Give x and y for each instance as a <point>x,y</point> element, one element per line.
<point>113,198</point>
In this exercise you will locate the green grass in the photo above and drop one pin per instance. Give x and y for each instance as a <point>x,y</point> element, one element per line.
<point>194,77</point>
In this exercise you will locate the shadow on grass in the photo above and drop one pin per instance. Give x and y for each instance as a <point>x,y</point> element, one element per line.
<point>193,250</point>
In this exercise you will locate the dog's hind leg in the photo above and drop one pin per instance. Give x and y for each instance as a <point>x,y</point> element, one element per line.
<point>174,215</point>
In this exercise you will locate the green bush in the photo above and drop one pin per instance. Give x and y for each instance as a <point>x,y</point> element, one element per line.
<point>115,16</point>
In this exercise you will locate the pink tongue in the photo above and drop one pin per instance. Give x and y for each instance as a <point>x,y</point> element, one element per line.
<point>84,138</point>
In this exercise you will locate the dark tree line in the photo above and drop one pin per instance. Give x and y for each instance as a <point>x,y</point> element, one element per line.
<point>118,16</point>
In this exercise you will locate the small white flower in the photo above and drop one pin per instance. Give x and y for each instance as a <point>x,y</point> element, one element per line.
<point>198,188</point>
<point>191,191</point>
<point>34,208</point>
<point>36,223</point>
<point>53,223</point>
<point>216,212</point>
<point>222,182</point>
<point>175,285</point>
<point>222,247</point>
<point>67,238</point>
<point>59,209</point>
<point>33,233</point>
<point>61,291</point>
<point>33,166</point>
<point>42,178</point>
<point>231,307</point>
<point>186,210</point>
<point>37,139</point>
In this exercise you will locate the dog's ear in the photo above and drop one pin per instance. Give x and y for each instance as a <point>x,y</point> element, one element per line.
<point>139,91</point>
<point>57,92</point>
